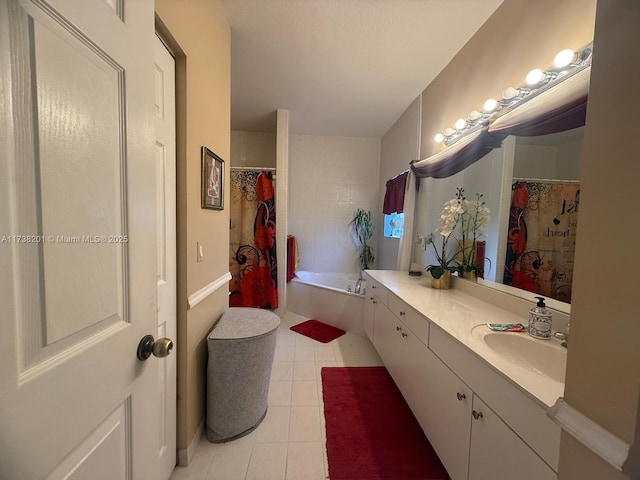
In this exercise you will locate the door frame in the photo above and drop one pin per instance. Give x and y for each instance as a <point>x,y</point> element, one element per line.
<point>184,453</point>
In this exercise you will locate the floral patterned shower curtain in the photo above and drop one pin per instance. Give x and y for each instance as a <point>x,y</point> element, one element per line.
<point>252,246</point>
<point>542,238</point>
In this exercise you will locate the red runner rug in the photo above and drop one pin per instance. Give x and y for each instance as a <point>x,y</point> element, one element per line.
<point>371,432</point>
<point>318,331</point>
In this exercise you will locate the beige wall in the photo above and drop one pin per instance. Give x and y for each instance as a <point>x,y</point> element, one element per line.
<point>253,149</point>
<point>201,40</point>
<point>603,371</point>
<point>519,36</point>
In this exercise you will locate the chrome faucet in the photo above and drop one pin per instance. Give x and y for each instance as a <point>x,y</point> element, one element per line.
<point>564,336</point>
<point>358,286</point>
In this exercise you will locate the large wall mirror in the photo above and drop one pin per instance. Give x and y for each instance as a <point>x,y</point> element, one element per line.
<point>524,159</point>
<point>527,250</point>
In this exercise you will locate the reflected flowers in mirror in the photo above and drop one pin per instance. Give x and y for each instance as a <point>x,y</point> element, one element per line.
<point>473,221</point>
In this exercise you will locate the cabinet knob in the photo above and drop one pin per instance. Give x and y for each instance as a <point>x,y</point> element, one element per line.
<point>477,415</point>
<point>402,314</point>
<point>375,303</point>
<point>373,286</point>
<point>398,329</point>
<point>461,396</point>
<point>405,335</point>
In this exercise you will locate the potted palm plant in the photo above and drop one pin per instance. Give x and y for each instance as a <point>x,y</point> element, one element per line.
<point>361,230</point>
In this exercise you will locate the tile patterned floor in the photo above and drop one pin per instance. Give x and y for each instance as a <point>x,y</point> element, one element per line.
<point>290,443</point>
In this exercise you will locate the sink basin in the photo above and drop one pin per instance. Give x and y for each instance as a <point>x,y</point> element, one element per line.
<point>544,357</point>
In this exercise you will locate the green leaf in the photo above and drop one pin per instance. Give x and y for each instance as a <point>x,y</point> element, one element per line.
<point>436,271</point>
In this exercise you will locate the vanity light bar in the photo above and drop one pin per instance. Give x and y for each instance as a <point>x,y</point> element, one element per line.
<point>564,62</point>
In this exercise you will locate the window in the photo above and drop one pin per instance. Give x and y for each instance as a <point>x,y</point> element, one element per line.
<point>393,225</point>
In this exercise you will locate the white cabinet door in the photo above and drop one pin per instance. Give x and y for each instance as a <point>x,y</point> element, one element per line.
<point>497,453</point>
<point>446,416</point>
<point>414,384</point>
<point>369,312</point>
<point>388,341</point>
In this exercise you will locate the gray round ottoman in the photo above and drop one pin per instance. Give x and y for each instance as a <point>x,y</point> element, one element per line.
<point>241,349</point>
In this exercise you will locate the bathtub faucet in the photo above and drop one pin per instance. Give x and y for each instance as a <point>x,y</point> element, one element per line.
<point>358,286</point>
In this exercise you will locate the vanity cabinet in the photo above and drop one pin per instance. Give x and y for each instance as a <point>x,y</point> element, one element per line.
<point>404,354</point>
<point>532,429</point>
<point>481,424</point>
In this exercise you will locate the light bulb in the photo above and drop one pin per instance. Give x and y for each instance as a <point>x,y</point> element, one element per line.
<point>438,138</point>
<point>535,76</point>
<point>460,124</point>
<point>474,115</point>
<point>564,58</point>
<point>510,93</point>
<point>490,105</point>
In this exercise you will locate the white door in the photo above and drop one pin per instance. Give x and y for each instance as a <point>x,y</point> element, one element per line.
<point>78,240</point>
<point>165,117</point>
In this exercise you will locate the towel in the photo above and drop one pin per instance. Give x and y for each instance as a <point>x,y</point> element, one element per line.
<point>292,257</point>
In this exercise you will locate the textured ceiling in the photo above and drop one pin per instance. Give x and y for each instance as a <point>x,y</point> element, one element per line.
<point>341,67</point>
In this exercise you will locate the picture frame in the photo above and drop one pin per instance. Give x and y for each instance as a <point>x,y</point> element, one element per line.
<point>212,180</point>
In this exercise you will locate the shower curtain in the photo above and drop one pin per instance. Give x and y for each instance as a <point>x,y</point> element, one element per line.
<point>252,245</point>
<point>542,237</point>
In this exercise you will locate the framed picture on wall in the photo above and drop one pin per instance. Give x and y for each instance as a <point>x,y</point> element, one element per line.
<point>212,180</point>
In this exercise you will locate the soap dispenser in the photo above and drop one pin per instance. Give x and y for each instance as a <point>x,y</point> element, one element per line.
<point>540,320</point>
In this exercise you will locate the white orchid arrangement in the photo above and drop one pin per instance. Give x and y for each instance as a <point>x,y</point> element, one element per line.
<point>472,217</point>
<point>450,217</point>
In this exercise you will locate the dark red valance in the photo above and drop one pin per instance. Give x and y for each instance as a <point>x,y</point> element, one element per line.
<point>394,196</point>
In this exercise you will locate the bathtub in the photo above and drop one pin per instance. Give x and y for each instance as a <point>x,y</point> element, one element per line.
<point>325,297</point>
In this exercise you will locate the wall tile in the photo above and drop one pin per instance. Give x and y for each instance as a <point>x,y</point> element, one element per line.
<point>330,177</point>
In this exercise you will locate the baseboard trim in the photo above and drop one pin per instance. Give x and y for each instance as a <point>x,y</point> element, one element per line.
<point>597,439</point>
<point>185,456</point>
<point>200,295</point>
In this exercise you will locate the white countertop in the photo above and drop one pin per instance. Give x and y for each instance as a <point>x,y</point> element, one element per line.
<point>457,313</point>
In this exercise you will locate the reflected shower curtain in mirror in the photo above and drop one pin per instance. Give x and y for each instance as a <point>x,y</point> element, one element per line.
<point>542,237</point>
<point>252,239</point>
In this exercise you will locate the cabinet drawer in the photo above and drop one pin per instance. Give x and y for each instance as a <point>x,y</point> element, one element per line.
<point>376,288</point>
<point>412,319</point>
<point>526,417</point>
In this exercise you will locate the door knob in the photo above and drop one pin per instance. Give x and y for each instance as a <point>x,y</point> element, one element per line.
<point>477,415</point>
<point>160,348</point>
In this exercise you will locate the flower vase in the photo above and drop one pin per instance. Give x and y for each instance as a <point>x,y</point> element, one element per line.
<point>442,283</point>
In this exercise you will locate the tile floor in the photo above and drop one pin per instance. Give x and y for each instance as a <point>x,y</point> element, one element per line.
<point>290,442</point>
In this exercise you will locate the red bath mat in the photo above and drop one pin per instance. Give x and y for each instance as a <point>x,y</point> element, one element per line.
<point>318,331</point>
<point>365,413</point>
